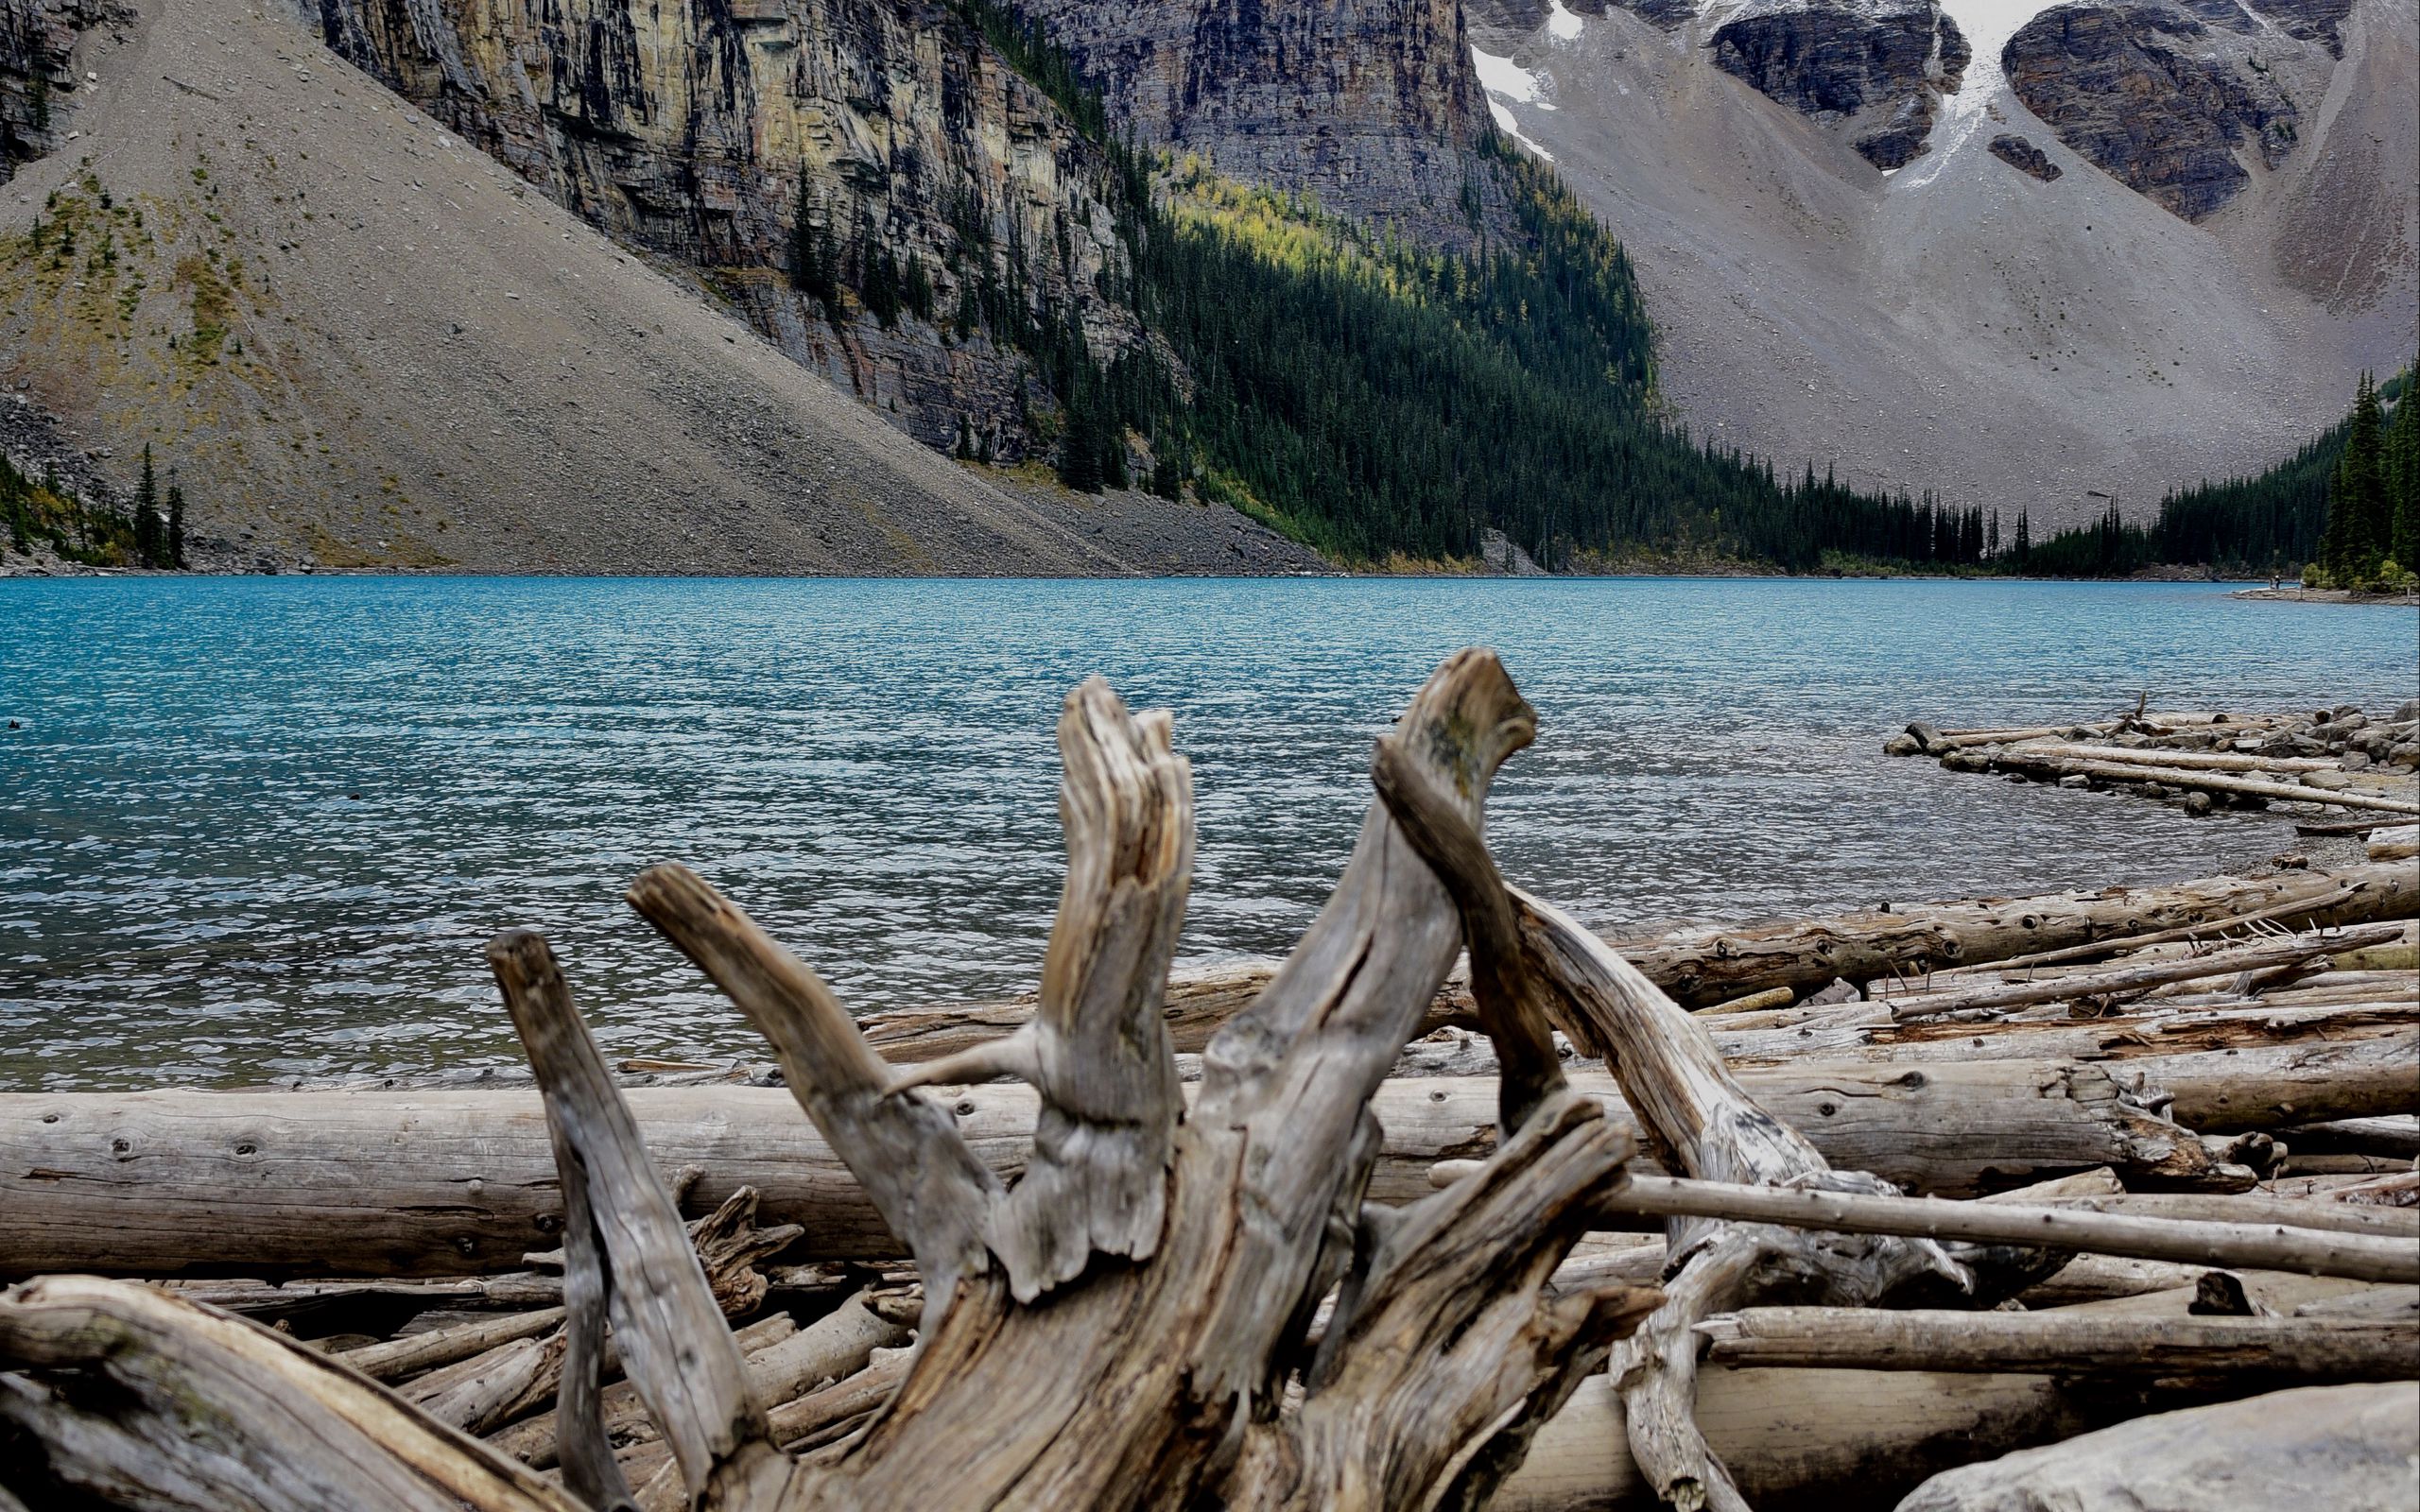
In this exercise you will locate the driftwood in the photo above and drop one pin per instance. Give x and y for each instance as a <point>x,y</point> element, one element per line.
<point>2119,983</point>
<point>2115,767</point>
<point>1119,1327</point>
<point>438,1183</point>
<point>2319,1252</point>
<point>127,1390</point>
<point>2349,1449</point>
<point>1711,965</point>
<point>2302,1352</point>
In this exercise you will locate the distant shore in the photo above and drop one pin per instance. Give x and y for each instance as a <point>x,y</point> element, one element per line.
<point>2326,595</point>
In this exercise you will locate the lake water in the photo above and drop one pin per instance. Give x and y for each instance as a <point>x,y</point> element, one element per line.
<point>253,827</point>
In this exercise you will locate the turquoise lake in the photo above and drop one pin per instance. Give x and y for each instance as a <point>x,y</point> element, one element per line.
<point>261,827</point>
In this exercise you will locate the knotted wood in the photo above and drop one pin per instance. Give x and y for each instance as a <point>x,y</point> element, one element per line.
<point>1126,1325</point>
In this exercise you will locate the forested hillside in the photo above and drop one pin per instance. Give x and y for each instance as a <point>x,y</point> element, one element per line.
<point>2332,511</point>
<point>1384,401</point>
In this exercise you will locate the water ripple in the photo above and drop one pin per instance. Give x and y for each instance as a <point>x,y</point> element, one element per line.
<point>253,827</point>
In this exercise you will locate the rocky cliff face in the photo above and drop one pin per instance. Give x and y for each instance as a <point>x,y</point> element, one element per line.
<point>698,131</point>
<point>1372,105</point>
<point>2157,96</point>
<point>38,77</point>
<point>1880,65</point>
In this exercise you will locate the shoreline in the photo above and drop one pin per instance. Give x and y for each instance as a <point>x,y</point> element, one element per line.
<point>2326,595</point>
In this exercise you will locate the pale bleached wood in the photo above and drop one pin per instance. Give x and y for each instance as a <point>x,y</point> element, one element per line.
<point>2271,1246</point>
<point>1097,1182</point>
<point>2135,980</point>
<point>394,1359</point>
<point>2281,1351</point>
<point>776,1353</point>
<point>1805,1439</point>
<point>2349,1449</point>
<point>439,1181</point>
<point>2284,914</point>
<point>668,1326</point>
<point>205,1411</point>
<point>1710,964</point>
<point>1702,1121</point>
<point>2017,759</point>
<point>2206,760</point>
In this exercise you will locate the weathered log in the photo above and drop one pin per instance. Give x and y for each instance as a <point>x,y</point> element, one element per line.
<point>2206,760</point>
<point>2354,1079</point>
<point>443,1182</point>
<point>2305,1352</point>
<point>413,1353</point>
<point>1708,965</point>
<point>2146,1034</point>
<point>2318,1252</point>
<point>2129,980</point>
<point>2398,843</point>
<point>2349,1449</point>
<point>2252,1207</point>
<point>2018,759</point>
<point>202,1411</point>
<point>1799,1438</point>
<point>2398,1136</point>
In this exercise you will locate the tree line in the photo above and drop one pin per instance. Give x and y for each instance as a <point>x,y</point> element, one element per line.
<point>2341,511</point>
<point>149,533</point>
<point>1382,401</point>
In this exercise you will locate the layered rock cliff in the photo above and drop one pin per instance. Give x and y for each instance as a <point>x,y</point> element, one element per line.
<point>921,159</point>
<point>38,77</point>
<point>2157,96</point>
<point>1879,65</point>
<point>1370,105</point>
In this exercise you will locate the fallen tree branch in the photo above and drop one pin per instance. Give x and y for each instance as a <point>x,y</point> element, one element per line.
<point>2017,759</point>
<point>2133,980</point>
<point>2279,1351</point>
<point>2315,1252</point>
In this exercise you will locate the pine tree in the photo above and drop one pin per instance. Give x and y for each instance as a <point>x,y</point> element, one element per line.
<point>147,530</point>
<point>815,259</point>
<point>176,522</point>
<point>2356,539</point>
<point>2024,539</point>
<point>1078,450</point>
<point>2402,476</point>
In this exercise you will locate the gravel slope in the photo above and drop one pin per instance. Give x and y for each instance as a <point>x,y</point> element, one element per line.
<point>424,363</point>
<point>1959,326</point>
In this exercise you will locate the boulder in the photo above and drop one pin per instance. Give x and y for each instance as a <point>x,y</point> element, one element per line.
<point>2022,155</point>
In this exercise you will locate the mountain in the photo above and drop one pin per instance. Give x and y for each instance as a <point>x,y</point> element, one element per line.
<point>2024,254</point>
<point>362,340</point>
<point>1321,262</point>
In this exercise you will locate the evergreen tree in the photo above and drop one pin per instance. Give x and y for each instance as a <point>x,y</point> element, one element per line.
<point>1166,480</point>
<point>149,533</point>
<point>2024,540</point>
<point>2402,473</point>
<point>1079,450</point>
<point>176,522</point>
<point>815,255</point>
<point>2356,539</point>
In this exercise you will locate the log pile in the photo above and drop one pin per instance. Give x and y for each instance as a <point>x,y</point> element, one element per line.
<point>1818,1211</point>
<point>2338,759</point>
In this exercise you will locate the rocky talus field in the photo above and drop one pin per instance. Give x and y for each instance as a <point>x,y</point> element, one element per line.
<point>362,341</point>
<point>2029,255</point>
